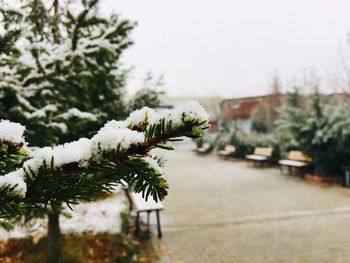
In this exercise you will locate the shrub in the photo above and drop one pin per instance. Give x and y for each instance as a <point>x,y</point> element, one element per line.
<point>322,132</point>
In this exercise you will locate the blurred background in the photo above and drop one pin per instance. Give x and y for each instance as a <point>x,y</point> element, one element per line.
<point>232,49</point>
<point>268,181</point>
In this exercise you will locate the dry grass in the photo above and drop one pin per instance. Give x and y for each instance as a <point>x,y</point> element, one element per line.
<point>87,248</point>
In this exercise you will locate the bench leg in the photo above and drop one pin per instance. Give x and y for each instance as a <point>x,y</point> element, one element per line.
<point>130,208</point>
<point>158,225</point>
<point>300,172</point>
<point>284,169</point>
<point>137,224</point>
<point>148,220</point>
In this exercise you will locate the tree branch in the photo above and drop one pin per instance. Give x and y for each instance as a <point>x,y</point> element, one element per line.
<point>79,22</point>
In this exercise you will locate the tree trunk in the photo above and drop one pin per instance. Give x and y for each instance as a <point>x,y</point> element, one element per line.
<point>54,232</point>
<point>55,7</point>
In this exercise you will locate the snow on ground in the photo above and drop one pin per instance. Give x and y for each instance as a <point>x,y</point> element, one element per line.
<point>100,216</point>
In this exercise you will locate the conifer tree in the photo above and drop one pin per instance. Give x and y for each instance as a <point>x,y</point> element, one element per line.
<point>321,130</point>
<point>60,68</point>
<point>61,77</point>
<point>148,95</point>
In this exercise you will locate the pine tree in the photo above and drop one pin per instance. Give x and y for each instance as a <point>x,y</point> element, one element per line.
<point>320,130</point>
<point>61,77</point>
<point>148,95</point>
<point>294,98</point>
<point>291,111</point>
<point>60,68</point>
<point>120,153</point>
<point>265,114</point>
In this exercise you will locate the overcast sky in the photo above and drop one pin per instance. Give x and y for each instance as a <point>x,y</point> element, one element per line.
<point>231,47</point>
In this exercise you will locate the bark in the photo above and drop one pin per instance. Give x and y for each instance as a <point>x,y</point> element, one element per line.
<point>54,232</point>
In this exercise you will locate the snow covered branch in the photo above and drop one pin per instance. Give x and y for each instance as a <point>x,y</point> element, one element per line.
<point>12,146</point>
<point>119,153</point>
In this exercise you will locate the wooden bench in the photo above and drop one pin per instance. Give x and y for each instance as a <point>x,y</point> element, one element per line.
<point>227,152</point>
<point>204,149</point>
<point>138,204</point>
<point>260,155</point>
<point>296,160</point>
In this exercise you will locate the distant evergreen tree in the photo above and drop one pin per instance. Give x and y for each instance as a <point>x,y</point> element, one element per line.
<point>320,129</point>
<point>294,98</point>
<point>148,95</point>
<point>260,118</point>
<point>264,115</point>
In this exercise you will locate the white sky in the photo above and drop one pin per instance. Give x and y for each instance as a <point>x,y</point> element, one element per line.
<point>231,47</point>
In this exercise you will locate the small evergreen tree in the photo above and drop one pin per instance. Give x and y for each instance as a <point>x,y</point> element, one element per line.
<point>294,98</point>
<point>321,131</point>
<point>264,115</point>
<point>148,95</point>
<point>260,118</point>
<point>292,117</point>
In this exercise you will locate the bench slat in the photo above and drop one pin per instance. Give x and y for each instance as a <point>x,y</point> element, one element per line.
<point>142,205</point>
<point>298,156</point>
<point>229,149</point>
<point>293,163</point>
<point>256,157</point>
<point>263,151</point>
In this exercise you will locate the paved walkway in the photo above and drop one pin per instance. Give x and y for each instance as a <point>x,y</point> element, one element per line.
<point>220,211</point>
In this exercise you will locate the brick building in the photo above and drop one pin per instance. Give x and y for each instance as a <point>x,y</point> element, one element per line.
<point>237,112</point>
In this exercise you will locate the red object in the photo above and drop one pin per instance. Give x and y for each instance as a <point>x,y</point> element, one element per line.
<point>321,179</point>
<point>213,126</point>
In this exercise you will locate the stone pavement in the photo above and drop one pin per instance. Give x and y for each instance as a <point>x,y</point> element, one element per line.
<point>221,211</point>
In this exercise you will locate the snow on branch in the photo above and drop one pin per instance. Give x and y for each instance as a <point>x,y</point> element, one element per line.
<point>11,132</point>
<point>73,152</point>
<point>15,179</point>
<point>12,146</point>
<point>144,115</point>
<point>41,113</point>
<point>118,153</point>
<point>74,112</point>
<point>191,111</point>
<point>108,138</point>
